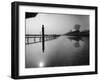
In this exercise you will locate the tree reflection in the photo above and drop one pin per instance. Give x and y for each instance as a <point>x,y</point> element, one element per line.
<point>77,41</point>
<point>77,44</point>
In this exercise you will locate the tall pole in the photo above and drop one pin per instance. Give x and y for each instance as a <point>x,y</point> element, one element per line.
<point>43,40</point>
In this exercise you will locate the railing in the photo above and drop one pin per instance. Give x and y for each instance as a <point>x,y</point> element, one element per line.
<point>37,38</point>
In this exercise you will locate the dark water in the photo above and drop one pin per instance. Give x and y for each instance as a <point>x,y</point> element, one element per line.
<point>63,51</point>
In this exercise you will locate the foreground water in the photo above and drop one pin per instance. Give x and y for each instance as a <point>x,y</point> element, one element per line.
<point>63,51</point>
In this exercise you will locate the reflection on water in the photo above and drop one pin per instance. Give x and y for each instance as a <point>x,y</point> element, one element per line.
<point>63,51</point>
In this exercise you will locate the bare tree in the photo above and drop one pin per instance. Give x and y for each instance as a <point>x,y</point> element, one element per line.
<point>77,27</point>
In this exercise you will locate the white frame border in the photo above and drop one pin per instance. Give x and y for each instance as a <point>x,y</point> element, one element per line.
<point>50,70</point>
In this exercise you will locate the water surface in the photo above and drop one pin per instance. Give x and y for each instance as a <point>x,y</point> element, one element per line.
<point>62,51</point>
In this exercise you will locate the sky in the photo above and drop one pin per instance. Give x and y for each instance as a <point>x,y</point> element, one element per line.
<point>55,23</point>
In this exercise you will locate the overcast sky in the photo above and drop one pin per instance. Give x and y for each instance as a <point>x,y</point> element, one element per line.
<point>55,23</point>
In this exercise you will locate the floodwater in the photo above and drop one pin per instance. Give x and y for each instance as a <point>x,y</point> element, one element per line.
<point>62,51</point>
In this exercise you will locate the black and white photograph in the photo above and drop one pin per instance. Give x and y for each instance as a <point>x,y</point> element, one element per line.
<point>51,40</point>
<point>55,40</point>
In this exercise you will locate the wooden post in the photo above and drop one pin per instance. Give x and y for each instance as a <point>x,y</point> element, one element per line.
<point>34,40</point>
<point>43,39</point>
<point>27,40</point>
<point>40,39</point>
